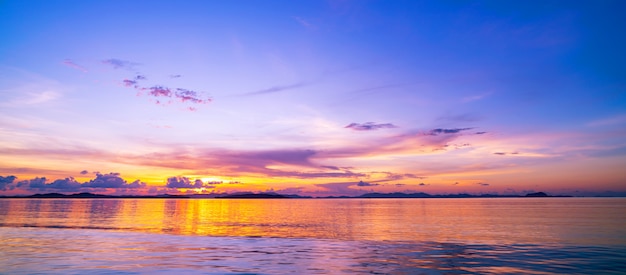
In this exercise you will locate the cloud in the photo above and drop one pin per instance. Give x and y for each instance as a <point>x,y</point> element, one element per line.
<point>71,64</point>
<point>475,97</point>
<point>482,184</point>
<point>390,176</point>
<point>6,182</point>
<point>308,175</point>
<point>102,181</point>
<point>276,89</point>
<point>184,95</point>
<point>67,184</point>
<point>369,126</point>
<point>112,180</point>
<point>423,184</point>
<point>192,96</point>
<point>362,183</point>
<point>304,23</point>
<point>84,172</point>
<point>439,131</point>
<point>158,91</point>
<point>505,153</point>
<point>609,121</point>
<point>118,63</point>
<point>129,83</point>
<point>183,182</point>
<point>480,133</point>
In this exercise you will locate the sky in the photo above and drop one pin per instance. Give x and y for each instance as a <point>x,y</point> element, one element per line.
<point>313,98</point>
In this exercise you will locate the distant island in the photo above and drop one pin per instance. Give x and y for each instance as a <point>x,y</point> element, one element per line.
<point>248,195</point>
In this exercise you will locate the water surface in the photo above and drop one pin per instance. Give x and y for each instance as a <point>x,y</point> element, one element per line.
<point>314,236</point>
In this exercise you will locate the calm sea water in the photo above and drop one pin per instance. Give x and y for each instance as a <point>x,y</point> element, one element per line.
<point>313,236</point>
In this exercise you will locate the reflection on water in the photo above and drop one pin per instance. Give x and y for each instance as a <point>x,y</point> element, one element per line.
<point>407,236</point>
<point>39,250</point>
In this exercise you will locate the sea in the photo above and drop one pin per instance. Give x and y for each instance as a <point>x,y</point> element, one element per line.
<point>313,236</point>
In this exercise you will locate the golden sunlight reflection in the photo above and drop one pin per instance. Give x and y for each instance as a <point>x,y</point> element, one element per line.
<point>439,220</point>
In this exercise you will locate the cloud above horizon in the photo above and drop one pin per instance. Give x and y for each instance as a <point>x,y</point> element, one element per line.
<point>69,184</point>
<point>184,183</point>
<point>369,126</point>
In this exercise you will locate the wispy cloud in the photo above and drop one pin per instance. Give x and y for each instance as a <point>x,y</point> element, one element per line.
<point>160,91</point>
<point>119,63</point>
<point>44,96</point>
<point>369,126</point>
<point>276,89</point>
<point>476,97</point>
<point>439,131</point>
<point>608,121</point>
<point>362,183</point>
<point>72,64</point>
<point>505,153</point>
<point>304,23</point>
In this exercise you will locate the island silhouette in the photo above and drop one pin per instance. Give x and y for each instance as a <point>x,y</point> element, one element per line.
<point>271,195</point>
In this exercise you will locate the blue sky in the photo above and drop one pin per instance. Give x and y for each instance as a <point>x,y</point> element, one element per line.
<point>313,97</point>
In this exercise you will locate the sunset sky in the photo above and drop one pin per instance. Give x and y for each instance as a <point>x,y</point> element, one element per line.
<point>313,97</point>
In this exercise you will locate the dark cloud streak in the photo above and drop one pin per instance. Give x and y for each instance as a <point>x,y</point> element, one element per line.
<point>369,126</point>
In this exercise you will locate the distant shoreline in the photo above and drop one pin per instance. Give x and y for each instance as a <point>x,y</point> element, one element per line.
<point>276,196</point>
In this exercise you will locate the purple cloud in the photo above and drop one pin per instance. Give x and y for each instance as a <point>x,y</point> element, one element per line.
<point>84,172</point>
<point>276,89</point>
<point>182,182</point>
<point>112,180</point>
<point>67,184</point>
<point>118,63</point>
<point>188,95</point>
<point>6,182</point>
<point>129,83</point>
<point>71,64</point>
<point>362,183</point>
<point>369,126</point>
<point>158,91</point>
<point>435,132</point>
